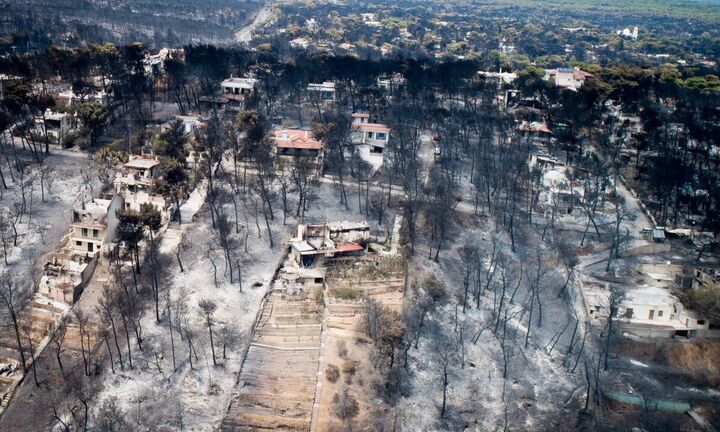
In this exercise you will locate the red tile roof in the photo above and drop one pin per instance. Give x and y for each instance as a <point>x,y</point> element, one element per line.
<point>373,127</point>
<point>349,247</point>
<point>296,138</point>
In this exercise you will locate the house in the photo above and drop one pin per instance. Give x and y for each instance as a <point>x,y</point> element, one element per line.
<point>155,63</point>
<point>144,167</point>
<point>657,235</point>
<point>647,307</point>
<point>290,145</point>
<point>499,78</point>
<point>373,135</point>
<point>314,242</point>
<point>238,88</point>
<point>347,47</point>
<point>559,192</point>
<point>135,180</point>
<point>306,278</point>
<point>65,277</point>
<point>56,124</point>
<point>694,277</point>
<point>536,133</point>
<point>94,225</point>
<point>140,172</point>
<point>391,83</point>
<point>325,91</point>
<point>656,306</point>
<point>70,99</point>
<point>544,162</point>
<point>300,43</point>
<point>190,123</point>
<point>569,78</point>
<point>370,19</point>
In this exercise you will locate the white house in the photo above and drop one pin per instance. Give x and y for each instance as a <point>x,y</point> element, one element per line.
<point>657,306</point>
<point>69,98</point>
<point>646,310</point>
<point>391,82</point>
<point>374,135</point>
<point>238,87</point>
<point>569,78</point>
<point>325,91</point>
<point>499,77</point>
<point>135,180</point>
<point>300,43</point>
<point>94,225</point>
<point>56,124</point>
<point>190,123</point>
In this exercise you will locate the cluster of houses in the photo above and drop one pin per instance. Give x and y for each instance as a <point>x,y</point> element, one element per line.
<point>291,144</point>
<point>93,228</point>
<point>650,305</point>
<point>652,286</point>
<point>314,242</point>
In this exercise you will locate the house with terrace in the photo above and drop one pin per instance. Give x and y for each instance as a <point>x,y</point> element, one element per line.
<point>94,224</point>
<point>238,88</point>
<point>293,146</point>
<point>314,242</point>
<point>370,139</point>
<point>135,181</point>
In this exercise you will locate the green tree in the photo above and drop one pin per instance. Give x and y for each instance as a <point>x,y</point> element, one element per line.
<point>94,116</point>
<point>171,143</point>
<point>173,184</point>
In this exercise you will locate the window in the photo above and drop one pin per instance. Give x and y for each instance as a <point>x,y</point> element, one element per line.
<point>381,136</point>
<point>84,232</point>
<point>660,313</point>
<point>90,247</point>
<point>95,233</point>
<point>78,243</point>
<point>370,135</point>
<point>701,322</point>
<point>628,313</point>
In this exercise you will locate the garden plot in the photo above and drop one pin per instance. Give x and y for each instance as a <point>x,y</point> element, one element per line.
<point>276,387</point>
<point>346,348</point>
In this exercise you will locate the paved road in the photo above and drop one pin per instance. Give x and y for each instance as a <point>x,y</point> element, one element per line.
<point>55,150</point>
<point>244,35</point>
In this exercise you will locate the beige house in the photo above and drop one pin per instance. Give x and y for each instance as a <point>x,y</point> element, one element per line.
<point>327,240</point>
<point>94,225</point>
<point>70,99</point>
<point>325,91</point>
<point>238,88</point>
<point>569,78</point>
<point>290,145</point>
<point>135,180</point>
<point>537,133</point>
<point>65,277</point>
<point>56,124</point>
<point>374,135</point>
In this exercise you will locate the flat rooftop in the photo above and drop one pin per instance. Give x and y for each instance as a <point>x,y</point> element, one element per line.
<point>142,163</point>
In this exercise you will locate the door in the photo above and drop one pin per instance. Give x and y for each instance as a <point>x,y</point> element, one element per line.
<point>652,314</point>
<point>90,247</point>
